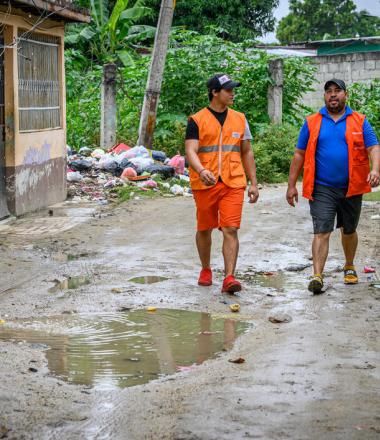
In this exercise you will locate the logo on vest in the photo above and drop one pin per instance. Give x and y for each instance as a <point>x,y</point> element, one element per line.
<point>236,135</point>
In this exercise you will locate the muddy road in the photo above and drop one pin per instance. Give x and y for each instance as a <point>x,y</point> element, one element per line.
<point>68,281</point>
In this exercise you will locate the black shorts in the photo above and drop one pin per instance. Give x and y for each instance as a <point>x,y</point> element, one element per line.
<point>330,202</point>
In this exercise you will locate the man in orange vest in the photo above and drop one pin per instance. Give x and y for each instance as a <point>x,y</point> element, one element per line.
<point>333,149</point>
<point>218,149</point>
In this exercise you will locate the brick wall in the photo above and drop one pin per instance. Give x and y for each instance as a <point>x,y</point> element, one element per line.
<point>355,67</point>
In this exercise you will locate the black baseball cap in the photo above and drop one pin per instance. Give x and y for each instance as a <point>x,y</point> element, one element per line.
<point>221,81</point>
<point>339,82</point>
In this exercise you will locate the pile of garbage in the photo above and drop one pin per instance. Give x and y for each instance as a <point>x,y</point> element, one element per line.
<point>95,174</point>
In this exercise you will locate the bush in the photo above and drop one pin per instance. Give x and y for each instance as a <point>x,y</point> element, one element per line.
<point>192,58</point>
<point>273,147</point>
<point>365,98</point>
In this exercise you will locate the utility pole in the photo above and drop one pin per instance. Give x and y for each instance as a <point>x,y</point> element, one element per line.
<point>108,107</point>
<point>153,86</point>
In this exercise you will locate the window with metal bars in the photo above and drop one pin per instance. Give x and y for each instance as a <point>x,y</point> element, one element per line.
<point>38,82</point>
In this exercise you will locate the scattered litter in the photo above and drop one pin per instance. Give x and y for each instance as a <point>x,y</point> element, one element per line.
<point>128,173</point>
<point>280,318</point>
<point>163,170</point>
<point>97,153</point>
<point>375,217</point>
<point>177,190</point>
<point>235,307</point>
<point>375,285</point>
<point>116,290</point>
<point>32,369</point>
<point>184,368</point>
<point>119,148</point>
<point>94,174</point>
<point>151,309</point>
<point>74,176</point>
<point>2,321</point>
<point>178,163</point>
<point>368,269</point>
<point>239,360</point>
<point>160,156</point>
<point>80,164</point>
<point>297,267</point>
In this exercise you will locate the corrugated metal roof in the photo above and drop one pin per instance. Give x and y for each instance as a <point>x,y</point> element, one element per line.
<point>65,9</point>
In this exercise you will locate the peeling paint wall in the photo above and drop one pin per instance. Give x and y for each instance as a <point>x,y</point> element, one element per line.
<point>35,161</point>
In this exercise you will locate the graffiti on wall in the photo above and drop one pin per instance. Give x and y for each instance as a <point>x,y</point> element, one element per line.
<point>37,156</point>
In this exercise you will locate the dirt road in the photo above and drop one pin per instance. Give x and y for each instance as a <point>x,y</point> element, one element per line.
<point>316,377</point>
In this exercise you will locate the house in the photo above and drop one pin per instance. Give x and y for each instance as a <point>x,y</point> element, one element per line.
<point>32,103</point>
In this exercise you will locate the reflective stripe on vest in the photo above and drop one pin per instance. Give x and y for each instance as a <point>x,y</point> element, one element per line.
<point>213,148</point>
<point>358,161</point>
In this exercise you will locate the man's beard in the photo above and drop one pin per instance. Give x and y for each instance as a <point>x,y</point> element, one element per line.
<point>336,109</point>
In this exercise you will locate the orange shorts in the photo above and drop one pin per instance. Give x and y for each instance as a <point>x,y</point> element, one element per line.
<point>218,207</point>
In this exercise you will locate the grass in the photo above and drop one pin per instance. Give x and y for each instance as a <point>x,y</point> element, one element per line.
<point>372,197</point>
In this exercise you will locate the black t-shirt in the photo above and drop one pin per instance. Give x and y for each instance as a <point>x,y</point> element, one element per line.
<point>192,130</point>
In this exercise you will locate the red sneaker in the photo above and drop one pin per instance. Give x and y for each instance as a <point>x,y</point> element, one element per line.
<point>231,284</point>
<point>205,277</point>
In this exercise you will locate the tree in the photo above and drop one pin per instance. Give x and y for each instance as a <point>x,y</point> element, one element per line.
<point>237,20</point>
<point>112,32</point>
<point>317,19</point>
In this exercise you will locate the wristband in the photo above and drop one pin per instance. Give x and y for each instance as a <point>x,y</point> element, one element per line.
<point>201,171</point>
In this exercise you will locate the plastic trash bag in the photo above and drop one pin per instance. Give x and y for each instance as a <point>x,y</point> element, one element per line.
<point>138,151</point>
<point>80,164</point>
<point>85,151</point>
<point>164,170</point>
<point>160,156</point>
<point>177,190</point>
<point>74,176</point>
<point>141,163</point>
<point>178,163</point>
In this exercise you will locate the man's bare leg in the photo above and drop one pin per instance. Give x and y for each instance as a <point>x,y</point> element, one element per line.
<point>320,251</point>
<point>350,244</point>
<point>230,249</point>
<point>203,240</point>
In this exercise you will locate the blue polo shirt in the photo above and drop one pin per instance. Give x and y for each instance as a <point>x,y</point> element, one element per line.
<point>331,158</point>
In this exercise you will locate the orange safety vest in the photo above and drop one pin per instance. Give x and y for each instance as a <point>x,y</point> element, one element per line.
<point>219,148</point>
<point>358,161</point>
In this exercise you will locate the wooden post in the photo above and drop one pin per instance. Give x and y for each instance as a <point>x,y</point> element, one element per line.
<point>153,87</point>
<point>108,107</point>
<point>276,70</point>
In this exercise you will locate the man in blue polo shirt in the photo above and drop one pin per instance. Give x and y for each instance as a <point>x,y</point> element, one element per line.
<point>333,149</point>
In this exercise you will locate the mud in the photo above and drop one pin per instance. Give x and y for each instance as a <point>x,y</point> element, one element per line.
<point>315,377</point>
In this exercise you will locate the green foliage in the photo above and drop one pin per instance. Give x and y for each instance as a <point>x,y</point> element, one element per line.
<point>82,100</point>
<point>372,197</point>
<point>236,20</point>
<point>310,20</point>
<point>109,36</point>
<point>365,98</point>
<point>191,60</point>
<point>273,147</point>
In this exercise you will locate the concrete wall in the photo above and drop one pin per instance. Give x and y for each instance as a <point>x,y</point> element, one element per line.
<point>35,161</point>
<point>355,67</point>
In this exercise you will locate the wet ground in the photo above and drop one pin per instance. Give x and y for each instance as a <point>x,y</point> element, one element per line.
<point>104,333</point>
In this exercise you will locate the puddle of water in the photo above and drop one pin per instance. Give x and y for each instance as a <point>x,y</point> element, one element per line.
<point>125,349</point>
<point>70,283</point>
<point>147,279</point>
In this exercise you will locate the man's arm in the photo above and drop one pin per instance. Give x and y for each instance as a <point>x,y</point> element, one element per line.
<point>294,172</point>
<point>374,176</point>
<point>191,147</point>
<point>249,165</point>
